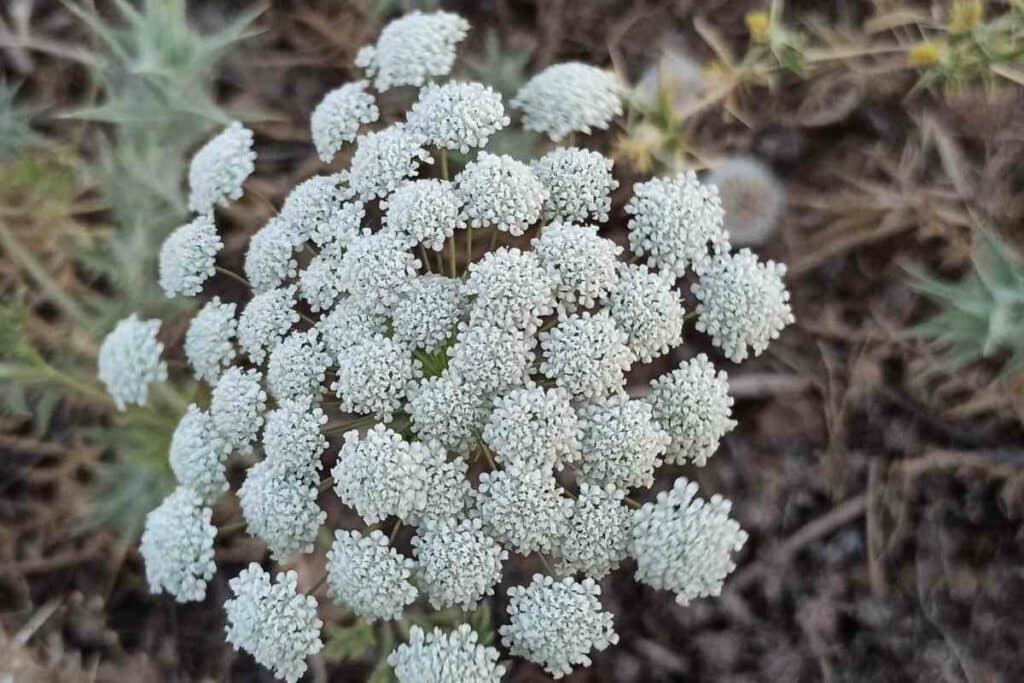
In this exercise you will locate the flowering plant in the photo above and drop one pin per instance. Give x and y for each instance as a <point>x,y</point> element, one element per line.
<point>484,406</point>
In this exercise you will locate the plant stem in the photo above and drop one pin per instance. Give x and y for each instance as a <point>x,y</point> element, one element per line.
<point>233,275</point>
<point>451,253</point>
<point>394,531</point>
<point>426,258</point>
<point>318,584</point>
<point>469,246</point>
<point>444,164</point>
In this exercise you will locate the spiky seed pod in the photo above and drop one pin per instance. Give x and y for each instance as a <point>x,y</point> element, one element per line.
<point>130,360</point>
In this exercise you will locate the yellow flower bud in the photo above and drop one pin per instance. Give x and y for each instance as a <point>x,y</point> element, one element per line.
<point>925,54</point>
<point>965,15</point>
<point>757,24</point>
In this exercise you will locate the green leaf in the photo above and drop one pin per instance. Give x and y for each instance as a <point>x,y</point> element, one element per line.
<point>349,642</point>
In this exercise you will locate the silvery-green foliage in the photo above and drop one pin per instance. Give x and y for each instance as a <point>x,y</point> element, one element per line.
<point>579,184</point>
<point>744,304</point>
<point>373,377</point>
<point>427,311</point>
<point>426,212</point>
<point>187,257</point>
<point>265,321</point>
<point>336,120</point>
<point>447,409</point>
<point>457,563</point>
<point>279,506</point>
<point>510,289</point>
<point>177,544</point>
<point>384,160</point>
<point>533,428</point>
<point>130,360</point>
<point>524,508</point>
<point>209,342</point>
<point>684,544</point>
<point>621,444</point>
<point>557,623</point>
<point>293,438</point>
<point>582,264</point>
<point>236,406</point>
<point>366,575</point>
<point>459,116</point>
<point>412,49</point>
<point>569,98</point>
<point>586,354</point>
<point>273,622</point>
<point>596,538</point>
<point>498,191</point>
<point>439,657</point>
<point>270,259</point>
<point>197,454</point>
<point>297,366</point>
<point>219,169</point>
<point>645,307</point>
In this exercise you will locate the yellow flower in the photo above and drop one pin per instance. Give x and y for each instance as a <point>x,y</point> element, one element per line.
<point>925,54</point>
<point>965,15</point>
<point>757,24</point>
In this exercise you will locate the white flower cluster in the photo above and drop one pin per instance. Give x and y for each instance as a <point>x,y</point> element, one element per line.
<point>480,392</point>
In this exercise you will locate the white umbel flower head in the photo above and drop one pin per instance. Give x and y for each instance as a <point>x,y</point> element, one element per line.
<point>579,184</point>
<point>336,120</point>
<point>456,115</point>
<point>596,538</point>
<point>273,622</point>
<point>752,199</point>
<point>533,428</point>
<point>237,406</point>
<point>320,282</point>
<point>375,267</point>
<point>684,544</point>
<point>350,322</point>
<point>498,191</point>
<point>366,575</point>
<point>177,545</point>
<point>450,493</point>
<point>557,623</point>
<point>427,311</point>
<point>677,223</point>
<point>373,376</point>
<point>582,264</point>
<point>447,409</point>
<point>280,507</point>
<point>523,508</point>
<point>293,439</point>
<point>187,257</point>
<point>384,159</point>
<point>412,49</point>
<point>265,321</point>
<point>569,98</point>
<point>439,657</point>
<point>648,310</point>
<point>621,444</point>
<point>744,304</point>
<point>457,564</point>
<point>321,209</point>
<point>692,404</point>
<point>270,259</point>
<point>426,212</point>
<point>586,354</point>
<point>298,366</point>
<point>209,343</point>
<point>491,358</point>
<point>197,454</point>
<point>220,167</point>
<point>130,361</point>
<point>511,289</point>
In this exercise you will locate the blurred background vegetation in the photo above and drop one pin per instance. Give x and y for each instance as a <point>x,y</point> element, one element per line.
<point>875,146</point>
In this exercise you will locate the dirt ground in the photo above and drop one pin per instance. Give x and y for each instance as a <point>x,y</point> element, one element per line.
<point>884,504</point>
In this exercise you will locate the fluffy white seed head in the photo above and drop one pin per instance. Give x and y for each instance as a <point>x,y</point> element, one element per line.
<point>366,575</point>
<point>293,439</point>
<point>744,304</point>
<point>298,366</point>
<point>568,98</point>
<point>270,259</point>
<point>321,209</point>
<point>375,267</point>
<point>130,360</point>
<point>557,623</point>
<point>177,545</point>
<point>187,257</point>
<point>273,622</point>
<point>582,264</point>
<point>684,544</point>
<point>579,184</point>
<point>220,167</point>
<point>490,358</point>
<point>498,191</point>
<point>621,444</point>
<point>596,538</point>
<point>413,48</point>
<point>336,120</point>
<point>350,322</point>
<point>692,404</point>
<point>522,508</point>
<point>373,376</point>
<point>423,212</point>
<point>427,311</point>
<point>280,507</point>
<point>510,289</point>
<point>237,406</point>
<point>265,321</point>
<point>447,409</point>
<point>533,428</point>
<point>384,159</point>
<point>209,343</point>
<point>645,307</point>
<point>458,116</point>
<point>457,563</point>
<point>197,454</point>
<point>439,657</point>
<point>752,199</point>
<point>320,282</point>
<point>586,354</point>
<point>677,223</point>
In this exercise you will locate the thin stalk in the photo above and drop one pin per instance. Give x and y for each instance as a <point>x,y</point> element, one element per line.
<point>494,239</point>
<point>451,254</point>
<point>444,164</point>
<point>426,258</point>
<point>233,275</point>
<point>318,584</point>
<point>395,530</point>
<point>469,246</point>
<point>229,529</point>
